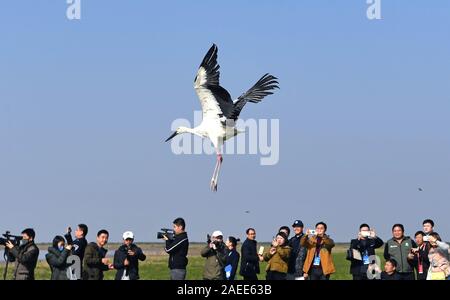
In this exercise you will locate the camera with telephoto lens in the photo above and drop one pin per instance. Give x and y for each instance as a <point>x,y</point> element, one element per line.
<point>15,239</point>
<point>169,233</point>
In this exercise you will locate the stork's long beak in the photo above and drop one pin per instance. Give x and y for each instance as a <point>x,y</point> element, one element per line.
<point>172,136</point>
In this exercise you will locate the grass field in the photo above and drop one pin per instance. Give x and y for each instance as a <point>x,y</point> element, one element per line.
<point>155,267</point>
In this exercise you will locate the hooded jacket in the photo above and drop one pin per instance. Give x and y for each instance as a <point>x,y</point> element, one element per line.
<point>57,261</point>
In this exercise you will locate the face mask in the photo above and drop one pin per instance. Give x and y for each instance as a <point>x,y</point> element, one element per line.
<point>23,242</point>
<point>61,248</point>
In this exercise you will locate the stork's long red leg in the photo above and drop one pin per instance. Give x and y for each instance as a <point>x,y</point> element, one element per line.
<point>215,176</point>
<point>213,183</point>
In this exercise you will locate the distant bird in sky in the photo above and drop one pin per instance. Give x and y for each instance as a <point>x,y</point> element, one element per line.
<point>219,111</point>
<point>247,211</point>
<point>420,189</point>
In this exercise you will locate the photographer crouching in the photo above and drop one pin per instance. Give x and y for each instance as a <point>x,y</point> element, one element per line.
<point>216,257</point>
<point>177,245</point>
<point>26,255</point>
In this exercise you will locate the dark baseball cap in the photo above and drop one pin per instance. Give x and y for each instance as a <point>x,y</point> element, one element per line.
<point>297,223</point>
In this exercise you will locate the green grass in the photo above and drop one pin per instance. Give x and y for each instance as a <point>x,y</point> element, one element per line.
<point>155,267</point>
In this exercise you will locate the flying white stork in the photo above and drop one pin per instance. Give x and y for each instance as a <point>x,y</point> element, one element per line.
<point>219,111</point>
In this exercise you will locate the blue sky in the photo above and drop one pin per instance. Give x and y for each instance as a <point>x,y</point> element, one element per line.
<point>85,106</point>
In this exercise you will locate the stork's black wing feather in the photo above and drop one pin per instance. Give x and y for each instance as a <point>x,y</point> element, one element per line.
<point>209,63</point>
<point>255,94</point>
<point>212,96</point>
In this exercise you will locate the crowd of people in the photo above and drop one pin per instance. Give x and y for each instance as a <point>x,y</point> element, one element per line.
<point>307,255</point>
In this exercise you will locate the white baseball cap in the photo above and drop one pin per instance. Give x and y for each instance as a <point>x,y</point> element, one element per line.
<point>128,235</point>
<point>217,233</point>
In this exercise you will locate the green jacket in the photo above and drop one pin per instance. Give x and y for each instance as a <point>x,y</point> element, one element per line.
<point>279,261</point>
<point>215,262</point>
<point>400,252</point>
<point>92,262</point>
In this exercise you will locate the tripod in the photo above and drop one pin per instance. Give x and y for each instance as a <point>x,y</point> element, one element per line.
<point>7,258</point>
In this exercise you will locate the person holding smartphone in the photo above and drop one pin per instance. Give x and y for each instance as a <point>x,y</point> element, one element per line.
<point>57,258</point>
<point>95,262</point>
<point>80,243</point>
<point>127,257</point>
<point>319,263</point>
<point>365,244</point>
<point>277,257</point>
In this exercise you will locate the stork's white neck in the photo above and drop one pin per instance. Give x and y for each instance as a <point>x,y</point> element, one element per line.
<point>196,131</point>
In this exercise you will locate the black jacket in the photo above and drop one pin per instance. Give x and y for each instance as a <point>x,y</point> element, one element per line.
<point>422,255</point>
<point>132,270</point>
<point>26,257</point>
<point>232,260</point>
<point>249,258</point>
<point>79,246</point>
<point>57,261</point>
<point>297,256</point>
<point>357,267</point>
<point>178,250</point>
<point>92,263</point>
<point>393,276</point>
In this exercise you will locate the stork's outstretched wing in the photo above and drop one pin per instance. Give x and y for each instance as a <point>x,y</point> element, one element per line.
<point>215,100</point>
<point>255,94</point>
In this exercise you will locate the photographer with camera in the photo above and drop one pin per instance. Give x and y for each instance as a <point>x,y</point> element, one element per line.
<point>177,246</point>
<point>319,263</point>
<point>216,257</point>
<point>80,242</point>
<point>95,263</point>
<point>364,246</point>
<point>127,257</point>
<point>26,255</point>
<point>57,258</point>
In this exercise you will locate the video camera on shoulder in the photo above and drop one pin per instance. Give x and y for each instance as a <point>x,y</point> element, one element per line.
<point>15,239</point>
<point>169,233</point>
